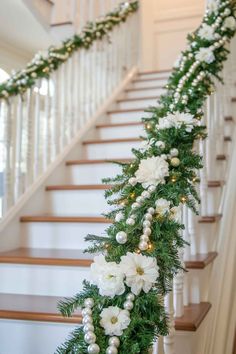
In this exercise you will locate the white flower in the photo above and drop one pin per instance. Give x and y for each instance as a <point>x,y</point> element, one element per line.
<point>213,5</point>
<point>230,23</point>
<point>108,276</point>
<point>152,171</point>
<point>206,55</point>
<point>176,213</point>
<point>146,144</point>
<point>162,206</point>
<point>187,119</point>
<point>167,122</point>
<point>160,144</point>
<point>206,32</point>
<point>114,320</point>
<point>141,272</point>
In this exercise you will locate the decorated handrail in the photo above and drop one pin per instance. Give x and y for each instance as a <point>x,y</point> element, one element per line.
<point>43,64</point>
<point>46,105</point>
<point>122,307</point>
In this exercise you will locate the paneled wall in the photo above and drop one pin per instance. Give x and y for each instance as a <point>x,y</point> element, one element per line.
<point>165,24</point>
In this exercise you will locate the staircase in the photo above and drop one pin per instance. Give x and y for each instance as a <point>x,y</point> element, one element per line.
<point>50,264</point>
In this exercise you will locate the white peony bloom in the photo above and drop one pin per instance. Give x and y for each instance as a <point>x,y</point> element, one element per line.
<point>213,5</point>
<point>176,213</point>
<point>206,55</point>
<point>152,171</point>
<point>206,32</point>
<point>162,206</point>
<point>114,320</point>
<point>108,276</point>
<point>230,23</point>
<point>167,122</point>
<point>187,119</point>
<point>141,272</point>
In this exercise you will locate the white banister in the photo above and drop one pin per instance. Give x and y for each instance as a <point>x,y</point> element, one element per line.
<point>41,122</point>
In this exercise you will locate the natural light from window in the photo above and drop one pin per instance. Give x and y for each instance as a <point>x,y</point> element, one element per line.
<point>3,75</point>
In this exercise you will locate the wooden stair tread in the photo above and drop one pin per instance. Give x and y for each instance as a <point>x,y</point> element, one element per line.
<point>229,119</point>
<point>137,99</point>
<point>148,72</point>
<point>193,316</point>
<point>105,141</point>
<point>96,161</point>
<point>209,218</point>
<point>234,99</point>
<point>150,79</point>
<point>75,219</point>
<point>33,308</point>
<point>41,256</point>
<point>143,88</point>
<point>74,187</point>
<point>44,309</point>
<point>221,157</point>
<point>227,138</point>
<point>112,125</point>
<point>200,261</point>
<point>127,110</point>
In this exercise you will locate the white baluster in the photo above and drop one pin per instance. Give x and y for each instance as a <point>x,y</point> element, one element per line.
<point>30,137</point>
<point>18,146</point>
<point>192,232</point>
<point>169,339</point>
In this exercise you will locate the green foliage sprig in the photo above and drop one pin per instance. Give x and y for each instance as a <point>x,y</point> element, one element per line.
<point>187,89</point>
<point>43,65</point>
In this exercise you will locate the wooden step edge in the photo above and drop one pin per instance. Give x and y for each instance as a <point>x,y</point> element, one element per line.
<point>150,79</point>
<point>111,141</point>
<point>209,219</point>
<point>39,317</point>
<point>229,119</point>
<point>81,187</point>
<point>46,261</point>
<point>137,99</point>
<point>130,110</point>
<point>194,314</point>
<point>234,99</point>
<point>64,219</point>
<point>98,161</point>
<point>200,261</point>
<point>114,125</point>
<point>61,24</point>
<point>221,157</point>
<point>148,72</point>
<point>227,139</point>
<point>216,184</point>
<point>143,88</point>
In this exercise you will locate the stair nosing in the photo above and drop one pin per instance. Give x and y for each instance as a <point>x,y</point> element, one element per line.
<point>64,219</point>
<point>137,99</point>
<point>201,264</point>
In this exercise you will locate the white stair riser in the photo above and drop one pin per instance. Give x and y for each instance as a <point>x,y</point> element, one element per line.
<point>213,200</point>
<point>197,284</point>
<point>122,117</point>
<point>145,93</point>
<point>205,238</point>
<point>42,280</point>
<point>139,103</point>
<point>149,83</point>
<point>28,337</point>
<point>154,75</point>
<point>70,203</point>
<point>132,131</point>
<point>110,150</point>
<point>228,128</point>
<point>91,174</point>
<point>59,235</point>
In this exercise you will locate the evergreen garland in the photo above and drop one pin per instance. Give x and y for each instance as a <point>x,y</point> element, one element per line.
<point>43,64</point>
<point>140,205</point>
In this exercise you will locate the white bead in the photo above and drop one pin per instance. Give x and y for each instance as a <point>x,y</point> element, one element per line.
<point>174,152</point>
<point>135,205</point>
<point>86,311</point>
<point>128,305</point>
<point>143,246</point>
<point>121,237</point>
<point>140,199</point>
<point>89,302</point>
<point>151,189</point>
<point>111,350</point>
<point>88,328</point>
<point>132,181</point>
<point>147,231</point>
<point>93,349</point>
<point>90,338</point>
<point>151,210</point>
<point>87,319</point>
<point>145,194</point>
<point>130,221</point>
<point>114,341</point>
<point>130,297</point>
<point>144,238</point>
<point>146,223</point>
<point>148,216</point>
<point>119,217</point>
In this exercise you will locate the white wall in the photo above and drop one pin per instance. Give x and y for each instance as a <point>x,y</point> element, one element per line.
<point>164,27</point>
